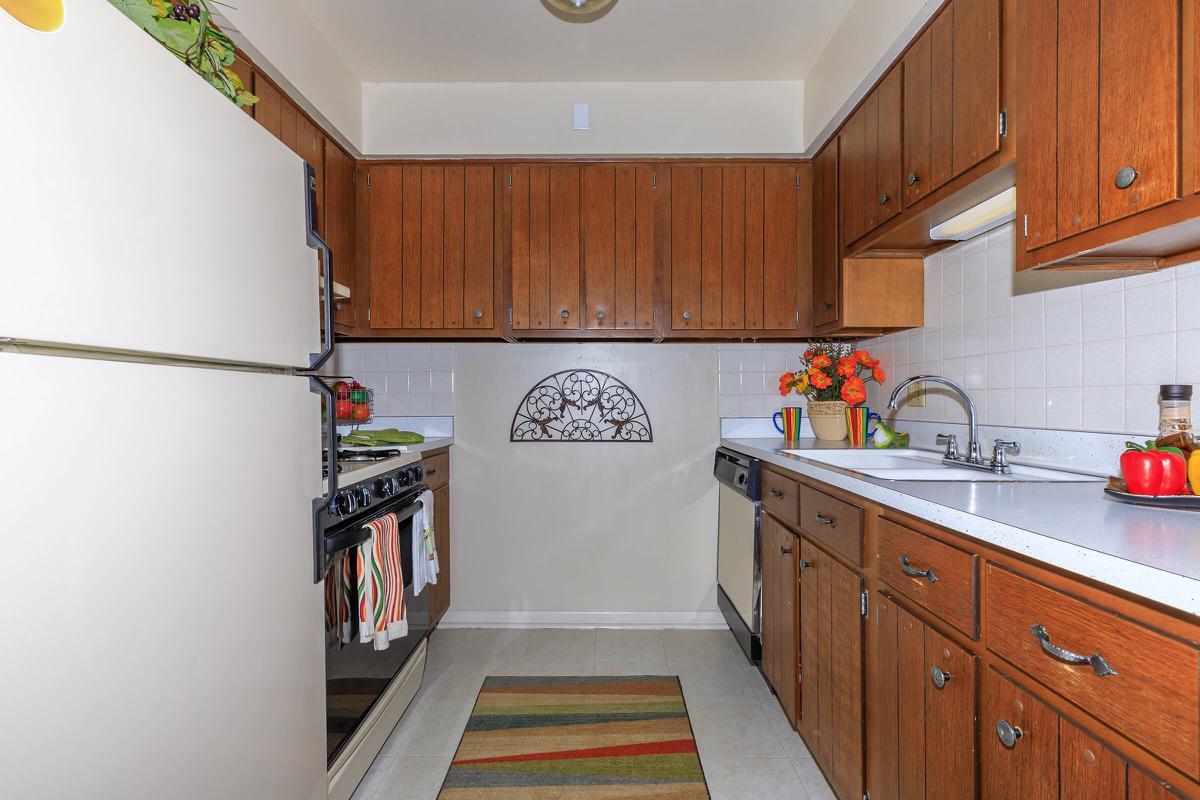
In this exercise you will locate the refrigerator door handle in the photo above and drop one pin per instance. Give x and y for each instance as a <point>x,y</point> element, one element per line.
<point>321,505</point>
<point>317,360</point>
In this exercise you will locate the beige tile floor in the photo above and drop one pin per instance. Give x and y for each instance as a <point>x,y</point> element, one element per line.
<point>747,748</point>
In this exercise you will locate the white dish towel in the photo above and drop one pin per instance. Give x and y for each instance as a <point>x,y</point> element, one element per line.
<point>425,556</point>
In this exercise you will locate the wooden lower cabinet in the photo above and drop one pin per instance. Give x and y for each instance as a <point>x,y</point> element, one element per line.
<point>439,593</point>
<point>831,668</point>
<point>780,552</point>
<point>921,706</point>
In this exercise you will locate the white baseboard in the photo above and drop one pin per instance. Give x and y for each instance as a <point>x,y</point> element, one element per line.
<point>631,620</point>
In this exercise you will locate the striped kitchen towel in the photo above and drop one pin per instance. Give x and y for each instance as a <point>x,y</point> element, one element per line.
<point>381,613</point>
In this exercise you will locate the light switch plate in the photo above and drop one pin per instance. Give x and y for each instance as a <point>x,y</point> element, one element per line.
<point>580,115</point>
<point>916,395</point>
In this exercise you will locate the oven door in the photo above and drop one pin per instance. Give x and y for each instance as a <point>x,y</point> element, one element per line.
<point>356,674</point>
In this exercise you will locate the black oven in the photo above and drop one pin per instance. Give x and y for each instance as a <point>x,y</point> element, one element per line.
<point>356,674</point>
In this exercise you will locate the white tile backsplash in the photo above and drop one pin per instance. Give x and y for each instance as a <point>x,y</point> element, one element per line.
<point>1060,349</point>
<point>409,379</point>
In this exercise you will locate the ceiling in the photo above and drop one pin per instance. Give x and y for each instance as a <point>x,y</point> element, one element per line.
<point>518,40</point>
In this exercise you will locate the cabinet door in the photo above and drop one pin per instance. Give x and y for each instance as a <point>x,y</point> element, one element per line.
<point>1029,767</point>
<point>268,110</point>
<point>1086,767</point>
<point>339,223</point>
<point>888,148</point>
<point>777,293</point>
<point>1038,166</point>
<point>618,254</point>
<point>845,767</point>
<point>546,247</point>
<point>1139,104</point>
<point>439,593</point>
<point>687,224</point>
<point>941,112</point>
<point>468,256</point>
<point>310,145</point>
<point>918,117</point>
<point>949,718</point>
<point>289,126</point>
<point>768,539</point>
<point>827,257</point>
<point>852,142</point>
<point>786,552</point>
<point>814,638</point>
<point>1078,135</point>
<point>976,81</point>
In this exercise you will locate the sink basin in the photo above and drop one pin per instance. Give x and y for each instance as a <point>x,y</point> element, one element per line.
<point>921,465</point>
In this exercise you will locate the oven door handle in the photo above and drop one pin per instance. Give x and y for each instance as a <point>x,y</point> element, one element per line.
<point>352,537</point>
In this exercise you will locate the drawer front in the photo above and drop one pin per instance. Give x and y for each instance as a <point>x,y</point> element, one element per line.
<point>935,575</point>
<point>781,496</point>
<point>437,470</point>
<point>832,522</point>
<point>1143,683</point>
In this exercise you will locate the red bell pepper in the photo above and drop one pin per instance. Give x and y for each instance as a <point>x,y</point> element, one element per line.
<point>1153,472</point>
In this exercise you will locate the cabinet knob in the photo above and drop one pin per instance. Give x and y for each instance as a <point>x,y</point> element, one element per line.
<point>1125,177</point>
<point>785,551</point>
<point>913,178</point>
<point>804,565</point>
<point>478,314</point>
<point>826,306</point>
<point>565,314</point>
<point>884,199</point>
<point>600,314</point>
<point>1008,734</point>
<point>686,315</point>
<point>939,677</point>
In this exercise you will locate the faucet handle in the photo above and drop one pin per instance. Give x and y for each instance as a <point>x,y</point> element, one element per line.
<point>950,440</point>
<point>1000,451</point>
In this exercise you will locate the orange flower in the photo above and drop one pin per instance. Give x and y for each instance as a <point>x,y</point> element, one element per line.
<point>809,353</point>
<point>879,375</point>
<point>854,391</point>
<point>847,367</point>
<point>864,358</point>
<point>819,379</point>
<point>785,382</point>
<point>822,360</point>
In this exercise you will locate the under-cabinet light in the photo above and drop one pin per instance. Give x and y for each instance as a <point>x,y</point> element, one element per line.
<point>991,213</point>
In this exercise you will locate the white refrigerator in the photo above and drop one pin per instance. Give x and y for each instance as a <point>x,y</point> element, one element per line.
<point>159,452</point>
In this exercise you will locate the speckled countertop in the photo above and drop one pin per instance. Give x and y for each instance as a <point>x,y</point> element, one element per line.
<point>1151,553</point>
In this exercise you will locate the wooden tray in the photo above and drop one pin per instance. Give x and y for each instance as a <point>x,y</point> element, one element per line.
<point>1182,502</point>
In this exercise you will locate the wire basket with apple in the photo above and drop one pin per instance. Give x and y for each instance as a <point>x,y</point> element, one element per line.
<point>353,404</point>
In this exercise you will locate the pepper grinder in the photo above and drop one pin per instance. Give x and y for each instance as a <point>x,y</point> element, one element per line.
<point>1174,410</point>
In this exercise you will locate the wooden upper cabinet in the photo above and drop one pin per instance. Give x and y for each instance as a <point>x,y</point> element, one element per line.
<point>929,110</point>
<point>339,220</point>
<point>827,257</point>
<point>740,247</point>
<point>268,111</point>
<point>1102,128</point>
<point>431,256</point>
<point>619,246</point>
<point>888,151</point>
<point>546,247</point>
<point>852,143</point>
<point>871,159</point>
<point>976,88</point>
<point>310,144</point>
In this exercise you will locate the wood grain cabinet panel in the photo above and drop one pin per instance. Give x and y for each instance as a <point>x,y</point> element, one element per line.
<point>1044,632</point>
<point>1023,765</point>
<point>780,550</point>
<point>935,575</point>
<point>833,522</point>
<point>918,117</point>
<point>889,151</point>
<point>547,247</point>
<point>781,496</point>
<point>1086,767</point>
<point>814,634</point>
<point>431,254</point>
<point>439,593</point>
<point>740,247</point>
<point>340,224</point>
<point>1037,167</point>
<point>922,690</point>
<point>976,81</point>
<point>827,256</point>
<point>619,254</point>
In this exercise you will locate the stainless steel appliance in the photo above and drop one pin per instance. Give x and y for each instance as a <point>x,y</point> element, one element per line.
<point>739,564</point>
<point>366,690</point>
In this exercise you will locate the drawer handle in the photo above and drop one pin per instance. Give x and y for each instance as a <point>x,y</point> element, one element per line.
<point>1096,661</point>
<point>431,472</point>
<point>824,520</point>
<point>939,677</point>
<point>913,572</point>
<point>785,551</point>
<point>776,493</point>
<point>1008,734</point>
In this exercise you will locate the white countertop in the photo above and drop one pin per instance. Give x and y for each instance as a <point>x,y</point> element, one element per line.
<point>412,455</point>
<point>1151,553</point>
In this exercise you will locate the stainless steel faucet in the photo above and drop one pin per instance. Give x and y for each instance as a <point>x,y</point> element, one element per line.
<point>974,456</point>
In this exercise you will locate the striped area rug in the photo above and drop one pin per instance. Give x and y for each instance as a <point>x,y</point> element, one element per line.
<point>591,738</point>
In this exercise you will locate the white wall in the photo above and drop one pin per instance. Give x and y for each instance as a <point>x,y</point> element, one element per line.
<point>281,38</point>
<point>410,379</point>
<point>626,118</point>
<point>1059,350</point>
<point>607,532</point>
<point>869,38</point>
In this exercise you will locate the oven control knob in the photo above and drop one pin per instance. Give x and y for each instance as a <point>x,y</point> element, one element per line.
<point>419,473</point>
<point>363,495</point>
<point>387,487</point>
<point>403,478</point>
<point>345,503</point>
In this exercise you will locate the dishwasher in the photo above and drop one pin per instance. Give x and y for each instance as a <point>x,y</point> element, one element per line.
<point>739,564</point>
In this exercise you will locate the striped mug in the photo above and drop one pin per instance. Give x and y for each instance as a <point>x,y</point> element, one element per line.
<point>857,420</point>
<point>787,422</point>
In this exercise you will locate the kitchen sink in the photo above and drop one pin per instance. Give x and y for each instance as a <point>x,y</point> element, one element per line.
<point>922,465</point>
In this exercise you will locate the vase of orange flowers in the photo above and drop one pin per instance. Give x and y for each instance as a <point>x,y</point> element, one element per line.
<point>832,377</point>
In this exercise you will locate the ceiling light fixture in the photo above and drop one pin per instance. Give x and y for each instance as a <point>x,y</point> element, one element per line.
<point>579,10</point>
<point>991,213</point>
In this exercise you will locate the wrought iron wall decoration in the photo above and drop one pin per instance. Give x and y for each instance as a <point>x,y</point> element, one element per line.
<point>581,405</point>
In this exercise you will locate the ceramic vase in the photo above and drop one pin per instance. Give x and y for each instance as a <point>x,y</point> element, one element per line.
<point>828,419</point>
